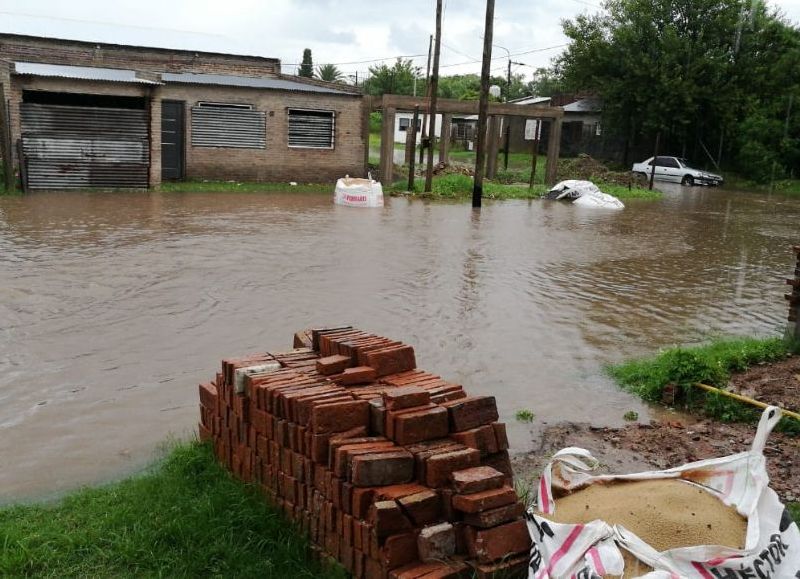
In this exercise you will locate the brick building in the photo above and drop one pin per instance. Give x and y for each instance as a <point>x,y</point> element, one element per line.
<point>82,114</point>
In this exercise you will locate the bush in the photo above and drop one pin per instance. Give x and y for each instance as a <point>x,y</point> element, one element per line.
<point>375,122</point>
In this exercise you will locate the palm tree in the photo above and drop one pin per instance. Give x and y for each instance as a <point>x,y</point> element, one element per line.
<point>329,72</point>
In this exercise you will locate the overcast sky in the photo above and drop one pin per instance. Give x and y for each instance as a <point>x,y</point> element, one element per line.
<point>349,33</point>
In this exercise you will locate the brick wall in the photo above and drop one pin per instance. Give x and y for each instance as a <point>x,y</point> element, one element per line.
<point>276,162</point>
<point>147,60</point>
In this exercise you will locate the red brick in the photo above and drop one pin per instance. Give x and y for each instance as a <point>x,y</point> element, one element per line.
<point>405,397</point>
<point>204,433</point>
<point>494,517</point>
<point>437,542</point>
<point>208,395</point>
<point>386,518</point>
<point>477,479</point>
<point>339,416</point>
<point>380,469</point>
<point>414,570</point>
<point>502,462</point>
<point>489,545</point>
<point>423,507</point>
<point>419,426</point>
<point>500,435</point>
<point>450,570</point>
<point>439,467</point>
<point>338,441</point>
<point>356,375</point>
<point>513,568</point>
<point>481,438</point>
<point>391,360</point>
<point>399,550</point>
<point>471,412</point>
<point>344,455</point>
<point>396,492</point>
<point>374,570</point>
<point>362,499</point>
<point>485,500</point>
<point>332,364</point>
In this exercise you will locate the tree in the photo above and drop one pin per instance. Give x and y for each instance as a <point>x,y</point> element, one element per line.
<point>307,66</point>
<point>329,72</point>
<point>692,70</point>
<point>546,82</point>
<point>397,79</point>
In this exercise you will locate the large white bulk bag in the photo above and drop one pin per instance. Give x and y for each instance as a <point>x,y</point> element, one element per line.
<point>358,193</point>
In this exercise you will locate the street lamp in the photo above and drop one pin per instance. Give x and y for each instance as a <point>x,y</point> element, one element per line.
<point>508,98</point>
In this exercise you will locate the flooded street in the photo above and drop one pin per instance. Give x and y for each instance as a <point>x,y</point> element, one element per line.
<point>114,306</point>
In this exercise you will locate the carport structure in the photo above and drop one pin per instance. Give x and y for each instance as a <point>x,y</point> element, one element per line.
<point>390,104</point>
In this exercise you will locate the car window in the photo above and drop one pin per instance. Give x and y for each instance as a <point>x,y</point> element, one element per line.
<point>667,162</point>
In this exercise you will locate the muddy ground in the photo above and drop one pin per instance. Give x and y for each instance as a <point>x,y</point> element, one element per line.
<point>677,438</point>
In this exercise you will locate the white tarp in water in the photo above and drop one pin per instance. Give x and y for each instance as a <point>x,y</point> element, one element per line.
<point>358,193</point>
<point>584,193</point>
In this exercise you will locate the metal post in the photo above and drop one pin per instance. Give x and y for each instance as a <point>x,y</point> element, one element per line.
<point>483,106</point>
<point>434,96</point>
<point>413,136</point>
<point>5,141</point>
<point>653,164</point>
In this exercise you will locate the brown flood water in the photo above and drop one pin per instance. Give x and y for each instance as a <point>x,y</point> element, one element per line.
<point>114,306</point>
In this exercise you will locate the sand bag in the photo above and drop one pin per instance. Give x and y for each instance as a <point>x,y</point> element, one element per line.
<point>753,534</point>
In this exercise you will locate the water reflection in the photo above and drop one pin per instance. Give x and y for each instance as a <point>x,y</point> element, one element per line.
<point>114,306</point>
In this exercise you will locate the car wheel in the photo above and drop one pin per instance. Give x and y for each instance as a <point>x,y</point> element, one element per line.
<point>688,180</point>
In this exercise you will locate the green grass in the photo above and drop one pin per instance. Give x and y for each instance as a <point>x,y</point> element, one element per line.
<point>789,187</point>
<point>525,415</point>
<point>242,187</point>
<point>459,186</point>
<point>186,517</point>
<point>794,510</point>
<point>711,364</point>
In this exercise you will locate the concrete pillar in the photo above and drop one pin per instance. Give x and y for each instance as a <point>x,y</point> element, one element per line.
<point>411,141</point>
<point>154,103</point>
<point>387,145</point>
<point>492,151</point>
<point>553,150</point>
<point>366,109</point>
<point>444,141</point>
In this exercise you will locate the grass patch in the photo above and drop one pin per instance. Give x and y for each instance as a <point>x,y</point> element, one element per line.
<point>711,364</point>
<point>459,186</point>
<point>794,510</point>
<point>631,416</point>
<point>242,187</point>
<point>186,517</point>
<point>525,415</point>
<point>789,187</point>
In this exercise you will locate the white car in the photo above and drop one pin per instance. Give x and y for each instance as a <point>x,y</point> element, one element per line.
<point>676,170</point>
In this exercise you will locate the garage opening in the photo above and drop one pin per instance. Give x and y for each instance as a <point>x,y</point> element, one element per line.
<point>72,140</point>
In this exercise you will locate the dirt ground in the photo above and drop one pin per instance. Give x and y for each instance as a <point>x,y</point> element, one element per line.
<point>777,383</point>
<point>664,444</point>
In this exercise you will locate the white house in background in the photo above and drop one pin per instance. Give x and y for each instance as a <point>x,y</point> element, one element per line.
<point>402,123</point>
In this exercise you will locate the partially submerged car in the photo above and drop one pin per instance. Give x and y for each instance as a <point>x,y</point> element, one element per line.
<point>676,170</point>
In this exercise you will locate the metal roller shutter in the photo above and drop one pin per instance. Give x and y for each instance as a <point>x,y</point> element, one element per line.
<point>228,127</point>
<point>311,129</point>
<point>68,147</point>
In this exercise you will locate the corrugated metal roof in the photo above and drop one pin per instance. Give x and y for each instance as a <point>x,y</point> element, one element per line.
<point>247,81</point>
<point>531,100</point>
<point>587,105</point>
<point>79,72</point>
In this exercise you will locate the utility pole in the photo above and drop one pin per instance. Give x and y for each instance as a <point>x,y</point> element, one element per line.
<point>424,137</point>
<point>483,106</point>
<point>413,131</point>
<point>434,96</point>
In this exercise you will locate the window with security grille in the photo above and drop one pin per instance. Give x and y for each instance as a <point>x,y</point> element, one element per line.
<point>228,125</point>
<point>311,129</point>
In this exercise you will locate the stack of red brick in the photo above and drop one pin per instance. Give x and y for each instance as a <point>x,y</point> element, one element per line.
<point>391,470</point>
<point>794,296</point>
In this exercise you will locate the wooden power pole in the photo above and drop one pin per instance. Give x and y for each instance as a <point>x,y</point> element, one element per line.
<point>483,106</point>
<point>424,138</point>
<point>434,97</point>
